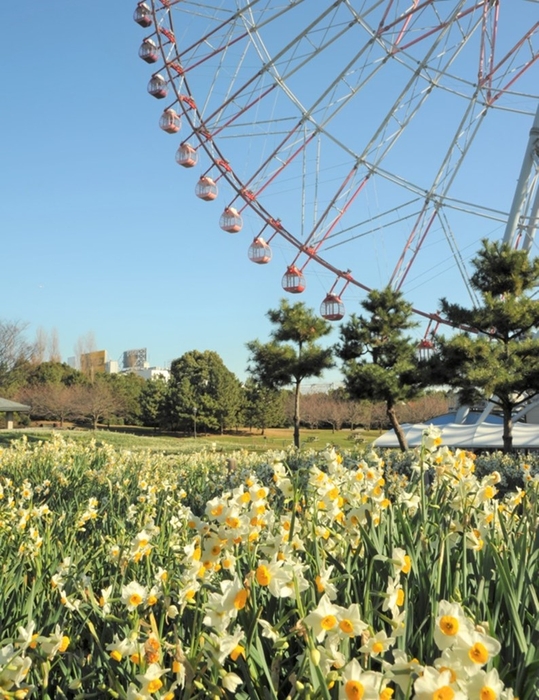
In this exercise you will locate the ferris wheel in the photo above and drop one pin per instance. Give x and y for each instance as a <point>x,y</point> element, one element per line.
<point>344,132</point>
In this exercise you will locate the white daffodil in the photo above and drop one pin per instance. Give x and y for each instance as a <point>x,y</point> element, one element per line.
<point>401,561</point>
<point>377,644</point>
<point>151,680</point>
<point>452,625</point>
<point>358,684</point>
<point>485,685</point>
<point>323,619</point>
<point>433,684</point>
<point>477,650</point>
<point>133,595</point>
<point>349,621</point>
<point>403,670</point>
<point>231,681</point>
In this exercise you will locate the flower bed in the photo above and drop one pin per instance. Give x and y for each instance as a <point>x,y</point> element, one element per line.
<point>316,575</point>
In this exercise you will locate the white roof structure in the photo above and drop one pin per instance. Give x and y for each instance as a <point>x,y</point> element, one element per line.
<point>478,436</point>
<point>470,430</point>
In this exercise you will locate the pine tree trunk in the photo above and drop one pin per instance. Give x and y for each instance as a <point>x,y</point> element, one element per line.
<point>399,432</point>
<point>507,430</point>
<point>296,416</point>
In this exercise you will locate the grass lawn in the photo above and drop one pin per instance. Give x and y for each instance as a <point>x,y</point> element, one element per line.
<point>145,439</point>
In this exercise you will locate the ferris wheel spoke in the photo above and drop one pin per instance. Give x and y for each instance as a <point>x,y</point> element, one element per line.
<point>450,165</point>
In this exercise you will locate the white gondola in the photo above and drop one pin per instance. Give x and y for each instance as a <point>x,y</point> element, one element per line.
<point>230,220</point>
<point>206,189</point>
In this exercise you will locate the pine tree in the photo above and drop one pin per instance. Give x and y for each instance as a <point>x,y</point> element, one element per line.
<point>495,356</point>
<point>293,354</point>
<point>380,362</point>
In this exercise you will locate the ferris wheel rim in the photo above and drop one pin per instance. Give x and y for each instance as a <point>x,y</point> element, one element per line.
<point>216,156</point>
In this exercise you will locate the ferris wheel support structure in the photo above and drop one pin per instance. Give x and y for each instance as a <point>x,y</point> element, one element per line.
<point>525,205</point>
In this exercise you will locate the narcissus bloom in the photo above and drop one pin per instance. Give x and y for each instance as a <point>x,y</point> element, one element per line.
<point>401,561</point>
<point>358,684</point>
<point>119,648</point>
<point>133,595</point>
<point>323,619</point>
<point>56,643</point>
<point>277,577</point>
<point>151,680</point>
<point>451,625</point>
<point>349,621</point>
<point>231,681</point>
<point>377,644</point>
<point>433,685</point>
<point>477,650</point>
<point>484,685</point>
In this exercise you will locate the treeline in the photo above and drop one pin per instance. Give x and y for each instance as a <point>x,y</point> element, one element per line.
<point>202,395</point>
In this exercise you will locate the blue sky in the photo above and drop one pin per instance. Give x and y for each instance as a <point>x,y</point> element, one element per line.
<point>101,231</point>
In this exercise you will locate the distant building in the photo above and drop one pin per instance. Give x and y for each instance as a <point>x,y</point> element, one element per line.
<point>93,362</point>
<point>135,359</point>
<point>149,372</point>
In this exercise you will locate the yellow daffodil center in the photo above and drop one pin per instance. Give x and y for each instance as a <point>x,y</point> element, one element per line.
<point>445,693</point>
<point>377,647</point>
<point>478,653</point>
<point>354,690</point>
<point>319,584</point>
<point>487,693</point>
<point>135,599</point>
<point>346,626</point>
<point>236,652</point>
<point>64,644</point>
<point>407,564</point>
<point>263,575</point>
<point>153,686</point>
<point>400,597</point>
<point>328,622</point>
<point>386,694</point>
<point>240,599</point>
<point>449,625</point>
<point>115,654</point>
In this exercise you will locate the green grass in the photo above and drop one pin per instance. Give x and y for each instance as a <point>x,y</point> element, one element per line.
<point>154,442</point>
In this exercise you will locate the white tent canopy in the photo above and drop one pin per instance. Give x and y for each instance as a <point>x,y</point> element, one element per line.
<point>478,436</point>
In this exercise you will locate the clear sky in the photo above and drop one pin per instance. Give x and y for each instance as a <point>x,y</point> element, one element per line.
<point>101,232</point>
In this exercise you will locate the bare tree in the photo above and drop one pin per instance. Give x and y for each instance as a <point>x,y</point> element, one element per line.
<point>358,413</point>
<point>97,402</point>
<point>40,346</point>
<point>15,350</point>
<point>54,347</point>
<point>52,401</point>
<point>334,411</point>
<point>425,408</point>
<point>311,408</point>
<point>379,416</point>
